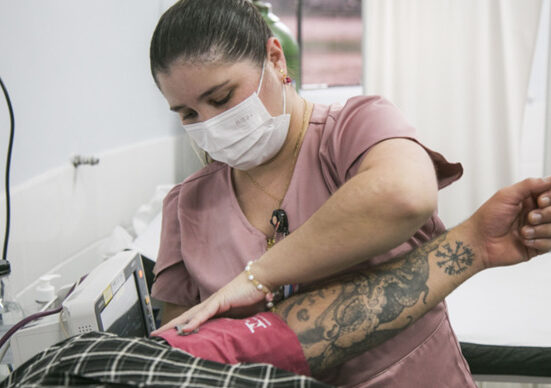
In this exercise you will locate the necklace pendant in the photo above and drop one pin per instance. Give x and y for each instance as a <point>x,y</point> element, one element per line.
<point>270,242</point>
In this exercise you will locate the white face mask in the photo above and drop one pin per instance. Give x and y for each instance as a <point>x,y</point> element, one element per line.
<point>244,136</point>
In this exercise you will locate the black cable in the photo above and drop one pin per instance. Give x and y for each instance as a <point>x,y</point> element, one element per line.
<point>7,175</point>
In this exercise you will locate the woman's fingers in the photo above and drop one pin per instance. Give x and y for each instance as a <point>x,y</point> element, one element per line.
<point>206,310</point>
<point>189,318</point>
<point>179,320</point>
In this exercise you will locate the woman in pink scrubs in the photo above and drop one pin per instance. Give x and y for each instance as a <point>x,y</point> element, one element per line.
<point>296,192</point>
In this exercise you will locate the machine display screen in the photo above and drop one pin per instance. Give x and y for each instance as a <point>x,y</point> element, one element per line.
<point>123,314</point>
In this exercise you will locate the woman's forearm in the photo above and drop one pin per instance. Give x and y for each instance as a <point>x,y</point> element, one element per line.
<point>379,208</point>
<point>359,221</point>
<point>358,311</point>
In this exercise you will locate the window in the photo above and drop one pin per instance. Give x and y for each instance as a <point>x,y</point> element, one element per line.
<point>330,37</point>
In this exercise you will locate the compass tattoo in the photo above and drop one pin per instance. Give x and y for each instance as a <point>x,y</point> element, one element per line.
<point>455,260</point>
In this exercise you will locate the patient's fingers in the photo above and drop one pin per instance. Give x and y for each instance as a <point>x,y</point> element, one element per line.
<point>544,200</point>
<point>542,231</point>
<point>540,216</point>
<point>537,233</point>
<point>541,245</point>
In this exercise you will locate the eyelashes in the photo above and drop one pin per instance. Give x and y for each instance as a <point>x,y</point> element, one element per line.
<point>224,100</point>
<point>191,114</point>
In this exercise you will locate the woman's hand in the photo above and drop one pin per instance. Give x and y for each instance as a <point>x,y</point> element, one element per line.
<point>515,224</point>
<point>238,295</point>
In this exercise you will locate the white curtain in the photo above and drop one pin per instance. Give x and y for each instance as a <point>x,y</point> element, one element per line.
<point>459,70</point>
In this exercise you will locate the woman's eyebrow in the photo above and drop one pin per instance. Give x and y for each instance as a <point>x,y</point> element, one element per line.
<point>202,96</point>
<point>212,90</point>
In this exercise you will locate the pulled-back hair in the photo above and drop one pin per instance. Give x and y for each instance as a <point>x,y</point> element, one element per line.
<point>208,30</point>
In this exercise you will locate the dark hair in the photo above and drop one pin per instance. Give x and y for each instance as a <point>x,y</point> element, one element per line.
<point>208,30</point>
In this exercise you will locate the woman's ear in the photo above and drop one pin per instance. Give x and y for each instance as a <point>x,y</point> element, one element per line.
<point>275,54</point>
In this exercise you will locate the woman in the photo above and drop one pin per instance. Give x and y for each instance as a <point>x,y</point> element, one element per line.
<point>355,187</point>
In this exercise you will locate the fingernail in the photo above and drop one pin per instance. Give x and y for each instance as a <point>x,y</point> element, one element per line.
<point>535,218</point>
<point>528,232</point>
<point>545,201</point>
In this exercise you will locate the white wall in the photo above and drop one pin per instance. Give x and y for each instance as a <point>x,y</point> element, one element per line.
<point>78,75</point>
<point>66,214</point>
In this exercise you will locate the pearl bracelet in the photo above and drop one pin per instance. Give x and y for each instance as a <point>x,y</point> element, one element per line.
<point>259,286</point>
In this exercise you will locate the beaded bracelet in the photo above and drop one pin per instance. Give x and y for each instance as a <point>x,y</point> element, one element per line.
<point>269,296</point>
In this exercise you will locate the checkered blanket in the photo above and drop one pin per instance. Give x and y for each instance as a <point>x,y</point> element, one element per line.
<point>105,360</point>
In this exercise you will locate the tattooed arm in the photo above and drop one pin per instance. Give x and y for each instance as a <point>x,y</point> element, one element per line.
<point>351,314</point>
<point>355,313</point>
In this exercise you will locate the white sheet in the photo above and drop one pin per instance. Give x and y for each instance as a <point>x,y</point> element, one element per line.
<point>147,242</point>
<point>508,306</point>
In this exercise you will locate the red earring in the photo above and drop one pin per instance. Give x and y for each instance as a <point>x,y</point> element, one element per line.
<point>284,78</point>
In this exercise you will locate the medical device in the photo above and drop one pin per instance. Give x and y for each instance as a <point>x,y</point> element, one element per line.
<point>113,297</point>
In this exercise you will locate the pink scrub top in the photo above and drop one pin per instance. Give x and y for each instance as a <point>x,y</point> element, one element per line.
<point>206,241</point>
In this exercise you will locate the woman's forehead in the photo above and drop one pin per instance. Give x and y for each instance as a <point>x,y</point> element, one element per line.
<point>205,72</point>
<point>188,80</point>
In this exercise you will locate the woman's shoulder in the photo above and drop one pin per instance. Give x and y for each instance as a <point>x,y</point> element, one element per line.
<point>363,119</point>
<point>205,173</point>
<point>204,179</point>
<point>364,106</point>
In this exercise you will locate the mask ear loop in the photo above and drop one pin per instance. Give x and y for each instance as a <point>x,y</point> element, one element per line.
<point>203,156</point>
<point>261,77</point>
<point>284,98</point>
<point>282,88</point>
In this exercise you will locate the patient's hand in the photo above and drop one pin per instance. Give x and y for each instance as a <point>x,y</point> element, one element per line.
<point>514,225</point>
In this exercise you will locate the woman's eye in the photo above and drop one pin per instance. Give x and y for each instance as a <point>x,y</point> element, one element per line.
<point>223,100</point>
<point>188,115</point>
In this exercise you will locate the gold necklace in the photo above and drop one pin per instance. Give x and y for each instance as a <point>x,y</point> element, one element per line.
<point>305,121</point>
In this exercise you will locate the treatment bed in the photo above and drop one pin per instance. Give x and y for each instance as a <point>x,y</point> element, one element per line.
<point>502,318</point>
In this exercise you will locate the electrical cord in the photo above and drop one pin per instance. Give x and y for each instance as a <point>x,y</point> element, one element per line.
<point>5,264</point>
<point>7,172</point>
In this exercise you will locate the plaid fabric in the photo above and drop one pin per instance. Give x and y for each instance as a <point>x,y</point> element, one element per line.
<point>105,360</point>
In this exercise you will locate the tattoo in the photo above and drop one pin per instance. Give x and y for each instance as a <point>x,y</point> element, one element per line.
<point>303,315</point>
<point>347,316</point>
<point>455,260</point>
